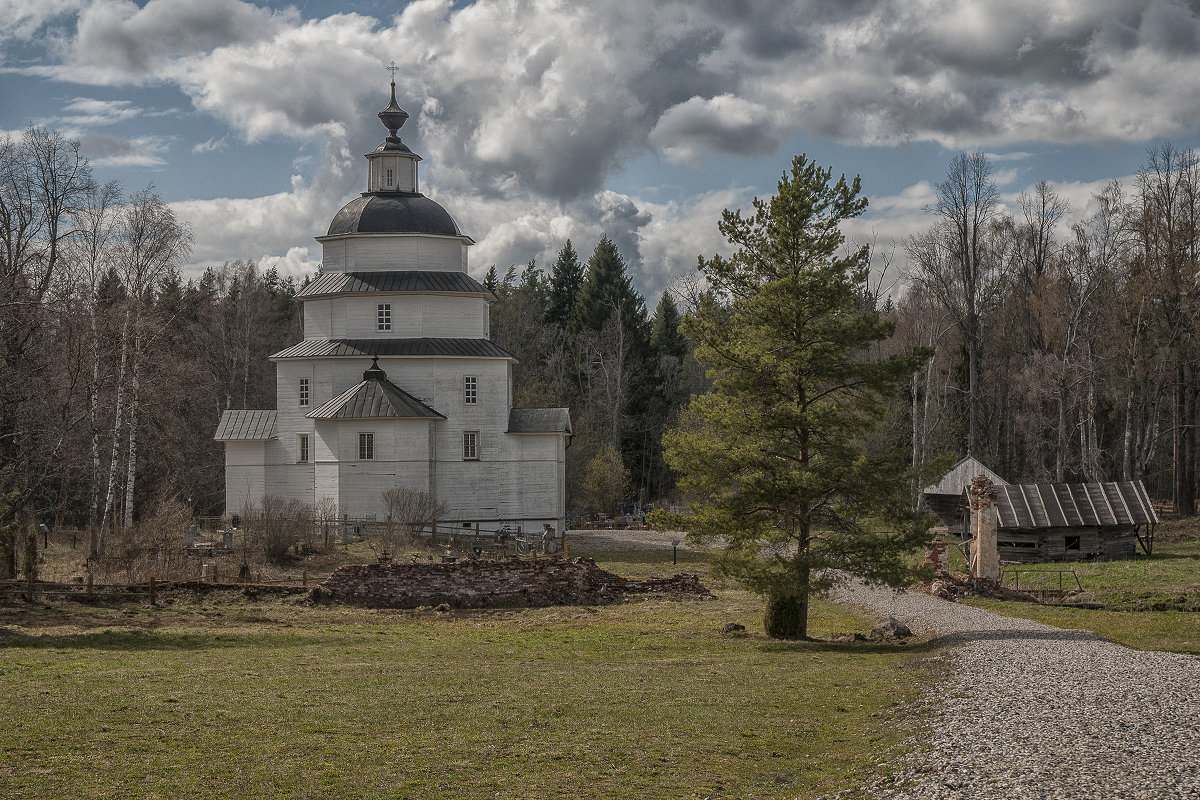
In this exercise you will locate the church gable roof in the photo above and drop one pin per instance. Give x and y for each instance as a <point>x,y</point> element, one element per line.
<point>245,424</point>
<point>539,420</point>
<point>416,281</point>
<point>375,398</point>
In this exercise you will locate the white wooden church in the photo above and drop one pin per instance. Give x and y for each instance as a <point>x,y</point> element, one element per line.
<point>396,382</point>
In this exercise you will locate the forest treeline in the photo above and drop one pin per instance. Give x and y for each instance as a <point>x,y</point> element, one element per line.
<point>1060,354</point>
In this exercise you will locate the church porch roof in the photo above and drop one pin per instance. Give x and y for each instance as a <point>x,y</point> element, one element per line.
<point>539,420</point>
<point>374,398</point>
<point>246,425</point>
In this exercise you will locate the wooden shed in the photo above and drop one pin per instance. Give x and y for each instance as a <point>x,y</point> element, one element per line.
<point>944,497</point>
<point>1073,521</point>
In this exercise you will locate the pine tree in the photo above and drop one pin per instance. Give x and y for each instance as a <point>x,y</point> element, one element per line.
<point>566,278</point>
<point>490,281</point>
<point>776,455</point>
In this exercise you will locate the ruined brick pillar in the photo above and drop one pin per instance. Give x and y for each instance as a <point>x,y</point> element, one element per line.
<point>985,557</point>
<point>937,557</point>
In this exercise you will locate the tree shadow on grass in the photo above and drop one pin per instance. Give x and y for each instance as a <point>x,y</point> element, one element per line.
<point>137,640</point>
<point>929,645</point>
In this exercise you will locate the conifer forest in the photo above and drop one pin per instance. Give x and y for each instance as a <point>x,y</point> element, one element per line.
<point>1062,351</point>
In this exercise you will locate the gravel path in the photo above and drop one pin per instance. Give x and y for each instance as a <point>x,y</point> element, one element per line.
<point>1033,711</point>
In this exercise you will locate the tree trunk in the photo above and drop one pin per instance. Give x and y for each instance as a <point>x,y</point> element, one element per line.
<point>786,616</point>
<point>1185,497</point>
<point>131,469</point>
<point>973,395</point>
<point>110,496</point>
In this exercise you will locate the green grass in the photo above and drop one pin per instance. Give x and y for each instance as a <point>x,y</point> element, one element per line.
<point>1148,602</point>
<point>237,699</point>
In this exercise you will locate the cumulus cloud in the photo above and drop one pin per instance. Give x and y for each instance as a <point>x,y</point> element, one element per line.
<point>119,42</point>
<point>524,108</point>
<point>725,124</point>
<point>21,19</point>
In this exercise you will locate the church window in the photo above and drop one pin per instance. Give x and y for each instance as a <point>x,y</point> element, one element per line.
<point>470,389</point>
<point>470,445</point>
<point>366,447</point>
<point>389,177</point>
<point>304,391</point>
<point>302,448</point>
<point>384,316</point>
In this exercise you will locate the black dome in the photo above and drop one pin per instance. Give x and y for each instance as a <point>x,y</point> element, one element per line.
<point>394,212</point>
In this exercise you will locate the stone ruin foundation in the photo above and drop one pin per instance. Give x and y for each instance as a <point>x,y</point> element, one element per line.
<point>482,584</point>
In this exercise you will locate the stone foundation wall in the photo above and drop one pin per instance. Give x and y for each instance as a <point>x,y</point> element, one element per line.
<point>476,584</point>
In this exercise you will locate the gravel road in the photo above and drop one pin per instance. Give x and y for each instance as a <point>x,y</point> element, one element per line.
<point>1033,711</point>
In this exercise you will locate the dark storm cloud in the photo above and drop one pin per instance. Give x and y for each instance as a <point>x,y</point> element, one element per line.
<point>124,42</point>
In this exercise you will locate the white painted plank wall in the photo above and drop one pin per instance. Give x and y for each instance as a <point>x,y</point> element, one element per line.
<point>382,252</point>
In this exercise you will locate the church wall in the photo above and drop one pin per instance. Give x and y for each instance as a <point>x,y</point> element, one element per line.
<point>245,474</point>
<point>402,458</point>
<point>318,319</point>
<point>413,316</point>
<point>383,252</point>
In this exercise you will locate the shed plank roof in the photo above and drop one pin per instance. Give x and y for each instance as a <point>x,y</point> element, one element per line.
<point>246,424</point>
<point>326,348</point>
<point>1073,505</point>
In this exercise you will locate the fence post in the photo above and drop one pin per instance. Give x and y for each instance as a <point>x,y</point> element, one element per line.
<point>152,597</point>
<point>304,578</point>
<point>433,533</point>
<point>89,576</point>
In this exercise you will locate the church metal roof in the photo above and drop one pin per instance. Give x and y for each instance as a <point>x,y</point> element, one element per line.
<point>393,212</point>
<point>1073,505</point>
<point>245,424</point>
<point>373,399</point>
<point>539,420</point>
<point>416,281</point>
<point>334,348</point>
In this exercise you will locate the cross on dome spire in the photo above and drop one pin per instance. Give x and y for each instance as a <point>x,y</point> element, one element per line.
<point>393,117</point>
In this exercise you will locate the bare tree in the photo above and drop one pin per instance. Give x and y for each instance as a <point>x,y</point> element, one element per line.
<point>951,260</point>
<point>150,241</point>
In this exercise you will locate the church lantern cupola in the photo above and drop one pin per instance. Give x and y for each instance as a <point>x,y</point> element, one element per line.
<point>393,166</point>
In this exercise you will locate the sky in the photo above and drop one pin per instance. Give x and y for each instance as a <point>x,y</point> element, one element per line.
<point>543,120</point>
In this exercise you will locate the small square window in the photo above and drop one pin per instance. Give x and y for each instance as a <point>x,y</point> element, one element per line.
<point>366,447</point>
<point>304,391</point>
<point>470,445</point>
<point>470,390</point>
<point>384,316</point>
<point>302,448</point>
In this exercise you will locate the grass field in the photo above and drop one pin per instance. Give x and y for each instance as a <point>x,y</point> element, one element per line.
<point>234,698</point>
<point>1149,602</point>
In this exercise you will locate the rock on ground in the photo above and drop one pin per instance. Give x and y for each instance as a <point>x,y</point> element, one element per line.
<point>1032,711</point>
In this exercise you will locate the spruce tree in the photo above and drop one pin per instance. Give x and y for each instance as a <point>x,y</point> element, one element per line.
<point>606,290</point>
<point>776,455</point>
<point>565,280</point>
<point>665,336</point>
